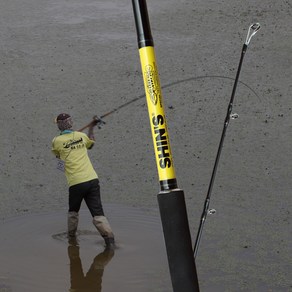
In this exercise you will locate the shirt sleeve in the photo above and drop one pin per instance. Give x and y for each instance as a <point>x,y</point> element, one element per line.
<point>54,150</point>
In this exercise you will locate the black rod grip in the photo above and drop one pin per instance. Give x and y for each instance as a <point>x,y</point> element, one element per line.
<point>178,241</point>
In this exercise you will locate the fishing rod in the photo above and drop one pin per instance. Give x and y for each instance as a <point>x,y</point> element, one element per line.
<point>251,32</point>
<point>96,121</point>
<point>101,122</point>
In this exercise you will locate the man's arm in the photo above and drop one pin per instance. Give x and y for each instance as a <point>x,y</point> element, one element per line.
<point>91,135</point>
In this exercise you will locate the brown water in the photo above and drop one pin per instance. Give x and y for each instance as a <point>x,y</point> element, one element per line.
<point>35,255</point>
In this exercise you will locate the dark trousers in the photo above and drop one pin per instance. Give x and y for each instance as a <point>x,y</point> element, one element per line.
<point>90,192</point>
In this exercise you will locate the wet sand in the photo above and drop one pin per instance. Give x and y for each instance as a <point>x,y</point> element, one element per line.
<point>82,58</point>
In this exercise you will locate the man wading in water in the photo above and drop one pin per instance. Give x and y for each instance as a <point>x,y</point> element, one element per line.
<point>70,147</point>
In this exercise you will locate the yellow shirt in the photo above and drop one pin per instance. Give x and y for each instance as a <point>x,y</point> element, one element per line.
<point>71,147</point>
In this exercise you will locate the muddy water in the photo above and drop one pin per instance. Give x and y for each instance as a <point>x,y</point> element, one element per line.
<point>36,256</point>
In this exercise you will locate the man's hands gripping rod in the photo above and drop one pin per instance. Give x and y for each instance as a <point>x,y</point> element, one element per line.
<point>96,121</point>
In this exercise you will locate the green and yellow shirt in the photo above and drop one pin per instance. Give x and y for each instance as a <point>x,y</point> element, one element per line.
<point>71,147</point>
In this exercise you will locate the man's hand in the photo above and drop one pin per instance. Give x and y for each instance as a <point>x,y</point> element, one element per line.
<point>97,121</point>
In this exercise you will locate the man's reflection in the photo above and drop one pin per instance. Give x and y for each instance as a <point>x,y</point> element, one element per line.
<point>91,282</point>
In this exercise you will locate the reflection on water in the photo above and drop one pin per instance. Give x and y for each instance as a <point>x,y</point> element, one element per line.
<point>46,262</point>
<point>92,280</point>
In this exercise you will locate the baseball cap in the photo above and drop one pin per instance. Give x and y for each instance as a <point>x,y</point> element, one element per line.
<point>62,117</point>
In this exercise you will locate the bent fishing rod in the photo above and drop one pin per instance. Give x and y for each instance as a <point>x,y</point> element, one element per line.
<point>251,32</point>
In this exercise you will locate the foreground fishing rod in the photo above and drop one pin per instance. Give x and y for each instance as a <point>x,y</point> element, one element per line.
<point>251,32</point>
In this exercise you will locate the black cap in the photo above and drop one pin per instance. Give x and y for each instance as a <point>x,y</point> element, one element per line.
<point>62,117</point>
